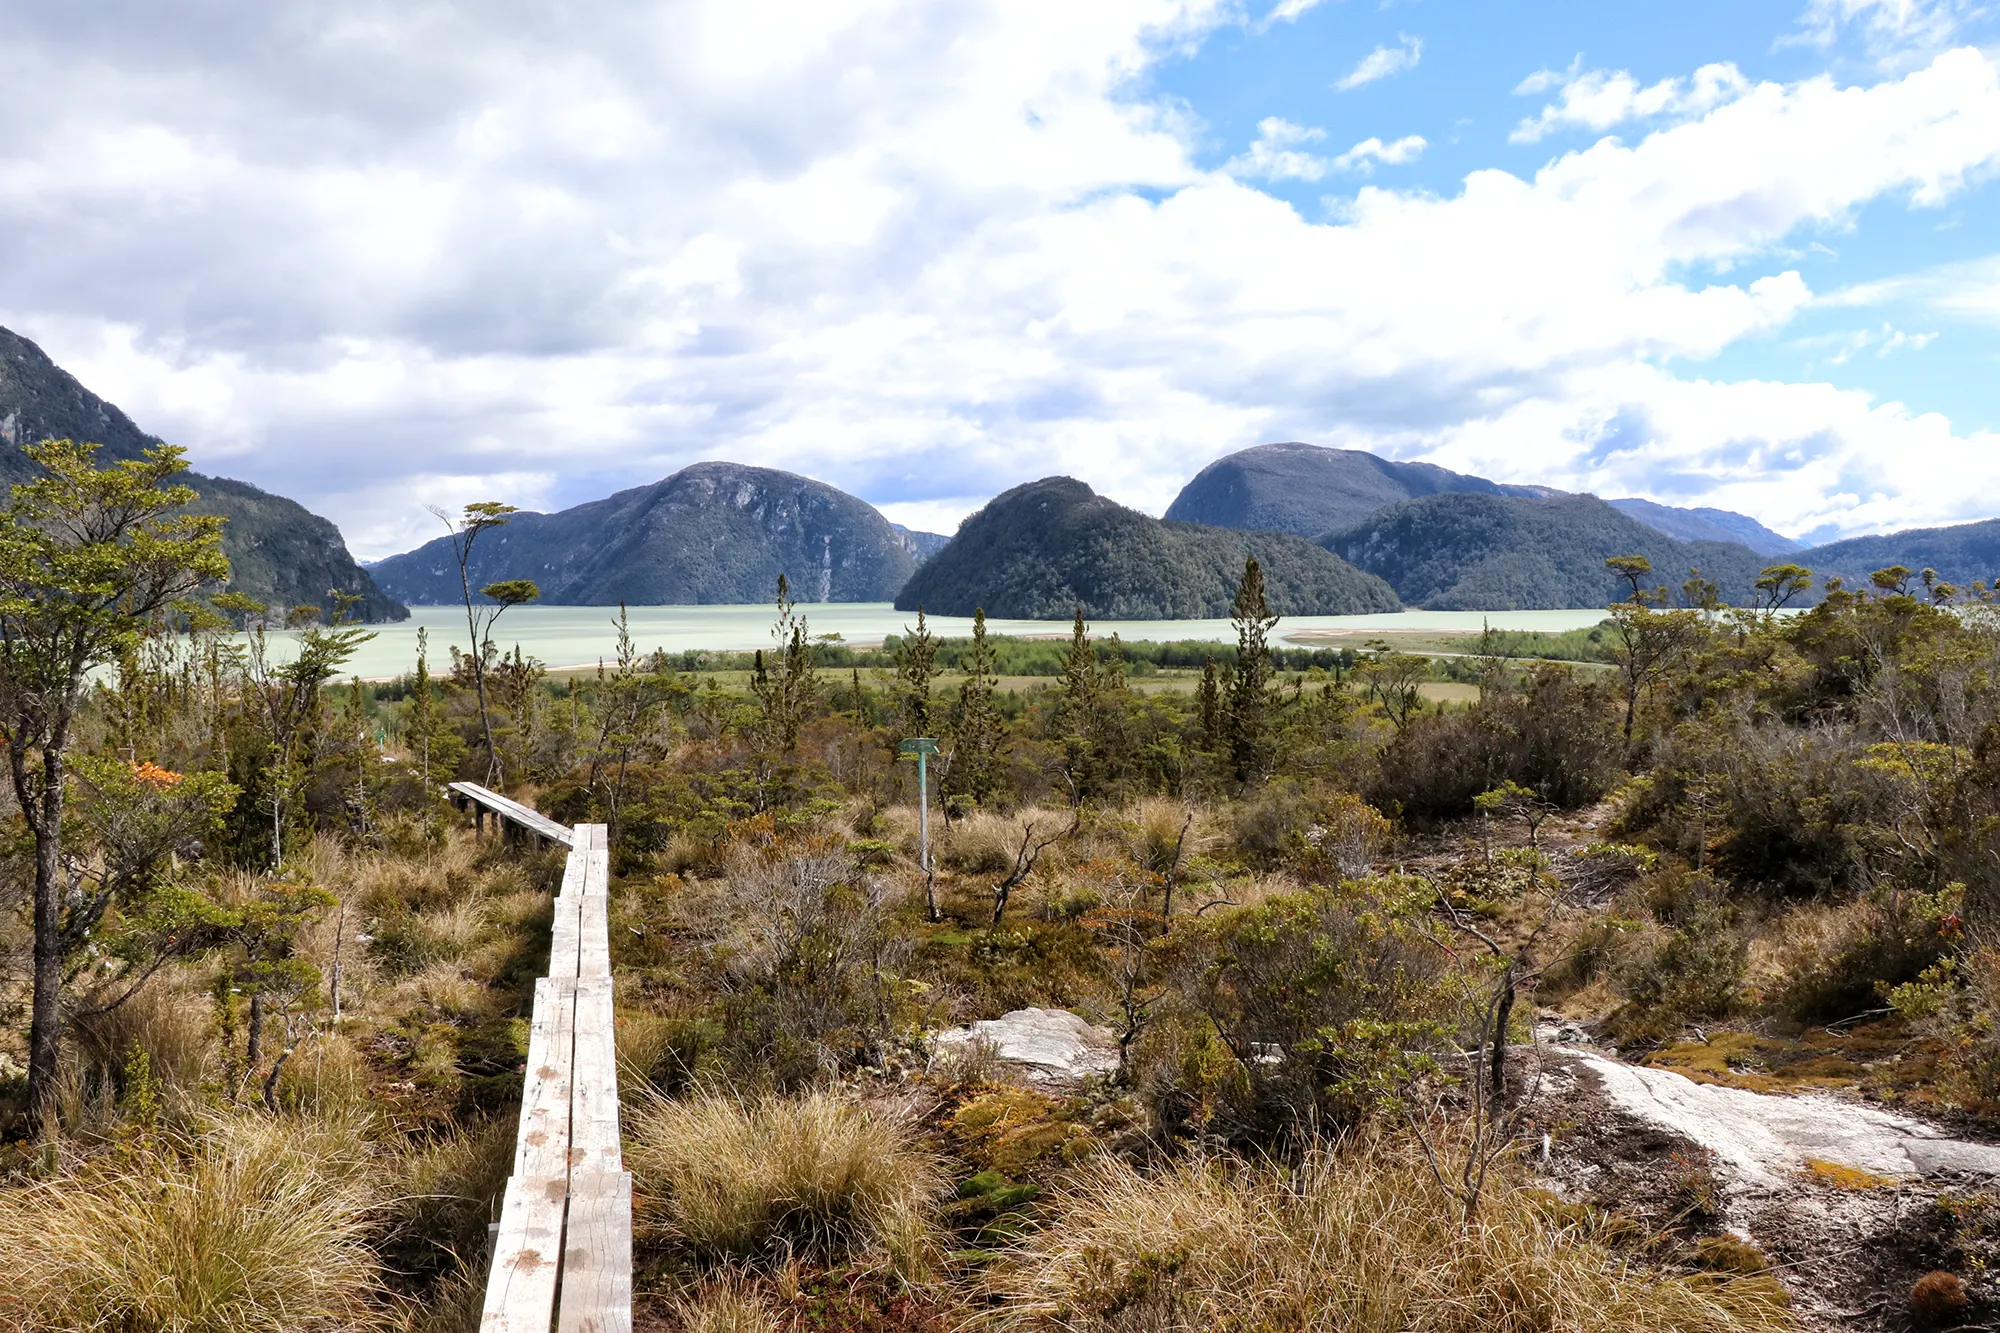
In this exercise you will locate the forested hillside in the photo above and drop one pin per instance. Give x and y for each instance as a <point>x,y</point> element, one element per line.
<point>712,533</point>
<point>1964,554</point>
<point>1309,489</point>
<point>279,553</point>
<point>1514,553</point>
<point>1043,549</point>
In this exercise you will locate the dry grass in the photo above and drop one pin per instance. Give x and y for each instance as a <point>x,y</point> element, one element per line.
<point>1360,1240</point>
<point>761,1178</point>
<point>984,843</point>
<point>1152,833</point>
<point>255,1224</point>
<point>725,1305</point>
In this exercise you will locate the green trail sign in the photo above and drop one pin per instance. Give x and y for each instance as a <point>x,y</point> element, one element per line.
<point>923,747</point>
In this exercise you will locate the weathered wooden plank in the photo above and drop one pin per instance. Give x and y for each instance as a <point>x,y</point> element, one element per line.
<point>565,935</point>
<point>594,937</point>
<point>527,1252</point>
<point>597,1255</point>
<point>511,812</point>
<point>594,1143</point>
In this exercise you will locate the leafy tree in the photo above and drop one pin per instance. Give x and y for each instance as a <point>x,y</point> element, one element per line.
<point>477,518</point>
<point>630,698</point>
<point>916,668</point>
<point>1075,720</point>
<point>430,738</point>
<point>1649,639</point>
<point>978,732</point>
<point>266,927</point>
<point>89,557</point>
<point>1251,742</point>
<point>787,694</point>
<point>1208,706</point>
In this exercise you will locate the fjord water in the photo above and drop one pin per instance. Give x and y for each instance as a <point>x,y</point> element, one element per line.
<point>579,636</point>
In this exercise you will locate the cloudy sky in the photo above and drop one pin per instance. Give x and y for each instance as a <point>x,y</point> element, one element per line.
<point>374,255</point>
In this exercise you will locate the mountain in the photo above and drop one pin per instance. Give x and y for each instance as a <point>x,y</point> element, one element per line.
<point>278,551</point>
<point>1707,525</point>
<point>1962,554</point>
<point>1039,550</point>
<point>922,545</point>
<point>1310,489</point>
<point>712,533</point>
<point>1469,552</point>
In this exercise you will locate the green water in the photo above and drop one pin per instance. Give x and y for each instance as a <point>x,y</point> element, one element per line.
<point>573,636</point>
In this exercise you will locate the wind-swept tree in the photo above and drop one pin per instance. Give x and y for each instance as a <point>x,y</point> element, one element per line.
<point>479,618</point>
<point>89,557</point>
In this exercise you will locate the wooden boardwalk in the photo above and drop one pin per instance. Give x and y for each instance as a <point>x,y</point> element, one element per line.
<point>514,819</point>
<point>562,1257</point>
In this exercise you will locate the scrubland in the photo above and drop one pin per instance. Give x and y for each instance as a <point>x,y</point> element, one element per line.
<point>1307,909</point>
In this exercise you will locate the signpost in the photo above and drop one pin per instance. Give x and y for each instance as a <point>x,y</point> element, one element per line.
<point>923,747</point>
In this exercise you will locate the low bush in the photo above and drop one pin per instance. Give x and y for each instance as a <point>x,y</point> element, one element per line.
<point>759,1179</point>
<point>1362,1240</point>
<point>1328,999</point>
<point>1836,962</point>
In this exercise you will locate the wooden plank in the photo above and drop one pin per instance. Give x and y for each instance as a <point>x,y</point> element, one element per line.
<point>565,935</point>
<point>527,1252</point>
<point>597,1255</point>
<point>594,936</point>
<point>512,811</point>
<point>594,1142</point>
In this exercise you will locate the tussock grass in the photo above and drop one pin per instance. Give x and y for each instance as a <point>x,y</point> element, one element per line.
<point>252,1225</point>
<point>817,1173</point>
<point>1361,1240</point>
<point>725,1305</point>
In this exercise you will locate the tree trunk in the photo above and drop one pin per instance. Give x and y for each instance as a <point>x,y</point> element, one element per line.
<point>1497,1075</point>
<point>46,1024</point>
<point>253,1054</point>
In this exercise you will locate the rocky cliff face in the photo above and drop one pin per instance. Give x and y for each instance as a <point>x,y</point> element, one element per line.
<point>712,533</point>
<point>278,551</point>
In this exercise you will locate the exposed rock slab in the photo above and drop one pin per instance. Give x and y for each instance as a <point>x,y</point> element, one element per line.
<point>1762,1139</point>
<point>1052,1047</point>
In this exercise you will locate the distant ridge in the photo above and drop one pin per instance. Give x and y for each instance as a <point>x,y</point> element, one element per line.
<point>922,545</point>
<point>1040,550</point>
<point>279,552</point>
<point>712,533</point>
<point>1470,552</point>
<point>1962,554</point>
<point>1707,525</point>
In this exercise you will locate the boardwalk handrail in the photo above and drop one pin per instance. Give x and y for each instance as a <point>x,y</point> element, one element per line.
<point>563,1251</point>
<point>510,814</point>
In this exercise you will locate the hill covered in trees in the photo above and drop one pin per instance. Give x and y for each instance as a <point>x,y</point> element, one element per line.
<point>279,552</point>
<point>711,534</point>
<point>1309,489</point>
<point>1962,554</point>
<point>1041,550</point>
<point>1469,552</point>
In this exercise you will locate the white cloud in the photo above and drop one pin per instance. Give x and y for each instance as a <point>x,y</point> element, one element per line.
<point>1364,155</point>
<point>922,252</point>
<point>1968,290</point>
<point>1599,99</point>
<point>1276,153</point>
<point>1896,32</point>
<point>1287,11</point>
<point>1382,62</point>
